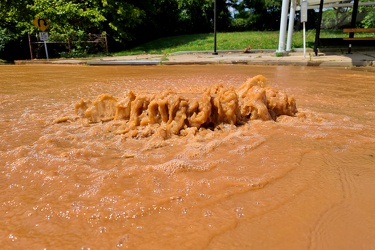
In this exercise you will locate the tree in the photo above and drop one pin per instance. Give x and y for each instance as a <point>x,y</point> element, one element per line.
<point>15,22</point>
<point>336,17</point>
<point>5,37</point>
<point>224,17</point>
<point>195,15</point>
<point>127,22</point>
<point>14,16</point>
<point>369,19</point>
<point>257,14</point>
<point>67,17</point>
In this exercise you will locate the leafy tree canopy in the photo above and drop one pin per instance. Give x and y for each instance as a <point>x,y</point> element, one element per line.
<point>128,22</point>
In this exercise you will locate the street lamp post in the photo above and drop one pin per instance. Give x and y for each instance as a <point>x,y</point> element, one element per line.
<point>215,10</point>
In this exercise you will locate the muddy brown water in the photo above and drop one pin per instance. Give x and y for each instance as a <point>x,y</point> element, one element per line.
<point>303,182</point>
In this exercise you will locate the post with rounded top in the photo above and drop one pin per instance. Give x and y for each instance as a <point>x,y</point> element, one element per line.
<point>283,23</point>
<point>292,13</point>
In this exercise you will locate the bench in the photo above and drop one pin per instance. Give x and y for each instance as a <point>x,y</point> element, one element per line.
<point>351,37</point>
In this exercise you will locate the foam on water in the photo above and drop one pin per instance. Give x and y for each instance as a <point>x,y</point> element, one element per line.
<point>170,113</point>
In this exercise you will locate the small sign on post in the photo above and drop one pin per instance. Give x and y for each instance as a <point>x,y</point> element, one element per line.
<point>43,36</point>
<point>304,11</point>
<point>304,20</point>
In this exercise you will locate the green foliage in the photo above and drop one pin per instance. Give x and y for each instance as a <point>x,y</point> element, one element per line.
<point>5,37</point>
<point>131,22</point>
<point>122,19</point>
<point>67,17</point>
<point>241,24</point>
<point>15,17</point>
<point>195,14</point>
<point>336,18</point>
<point>225,41</point>
<point>369,20</point>
<point>257,14</point>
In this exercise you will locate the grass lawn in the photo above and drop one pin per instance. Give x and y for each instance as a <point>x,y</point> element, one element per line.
<point>225,41</point>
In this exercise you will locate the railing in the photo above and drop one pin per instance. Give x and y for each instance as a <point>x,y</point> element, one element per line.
<point>97,41</point>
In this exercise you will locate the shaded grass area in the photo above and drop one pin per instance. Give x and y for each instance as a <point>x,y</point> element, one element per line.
<point>227,41</point>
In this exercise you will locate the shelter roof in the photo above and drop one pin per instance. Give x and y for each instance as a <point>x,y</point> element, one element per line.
<point>314,4</point>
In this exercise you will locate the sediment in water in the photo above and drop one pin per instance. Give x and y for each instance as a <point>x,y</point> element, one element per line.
<point>169,113</point>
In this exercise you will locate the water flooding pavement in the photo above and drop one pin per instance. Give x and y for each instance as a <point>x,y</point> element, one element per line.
<point>303,182</point>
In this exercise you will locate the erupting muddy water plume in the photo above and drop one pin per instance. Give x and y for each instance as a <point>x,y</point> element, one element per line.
<point>170,113</point>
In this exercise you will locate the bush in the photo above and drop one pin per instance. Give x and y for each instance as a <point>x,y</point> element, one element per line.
<point>239,24</point>
<point>5,37</point>
<point>369,20</point>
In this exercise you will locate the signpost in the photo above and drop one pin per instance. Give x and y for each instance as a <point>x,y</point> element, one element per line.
<point>304,20</point>
<point>42,24</point>
<point>215,16</point>
<point>43,36</point>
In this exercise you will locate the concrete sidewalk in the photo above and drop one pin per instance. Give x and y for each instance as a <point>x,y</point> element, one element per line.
<point>329,59</point>
<point>338,58</point>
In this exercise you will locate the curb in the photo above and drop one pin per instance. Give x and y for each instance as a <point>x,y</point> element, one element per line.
<point>123,62</point>
<point>336,64</point>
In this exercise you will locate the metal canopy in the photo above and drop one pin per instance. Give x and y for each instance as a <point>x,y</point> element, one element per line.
<point>317,2</point>
<point>312,4</point>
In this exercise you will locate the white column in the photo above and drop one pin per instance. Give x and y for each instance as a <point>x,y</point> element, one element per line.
<point>304,39</point>
<point>292,13</point>
<point>283,22</point>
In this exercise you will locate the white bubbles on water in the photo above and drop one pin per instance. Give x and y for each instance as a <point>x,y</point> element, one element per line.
<point>12,237</point>
<point>239,212</point>
<point>122,241</point>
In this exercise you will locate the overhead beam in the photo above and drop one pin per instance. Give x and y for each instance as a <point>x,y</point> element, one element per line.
<point>332,5</point>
